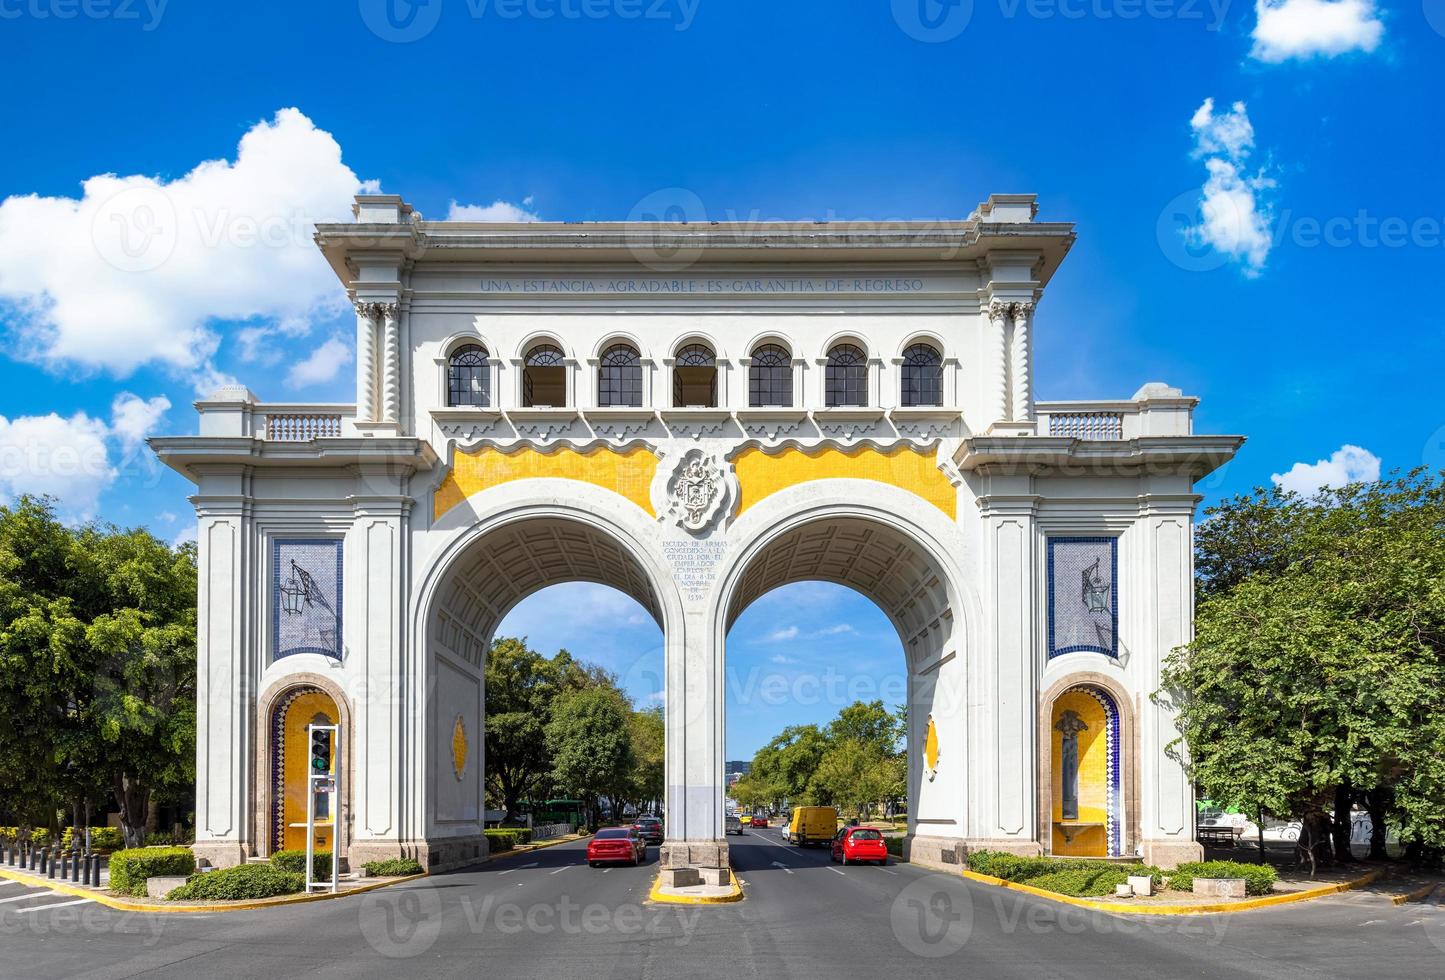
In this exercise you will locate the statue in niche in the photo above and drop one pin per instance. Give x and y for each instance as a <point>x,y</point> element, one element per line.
<point>1070,725</point>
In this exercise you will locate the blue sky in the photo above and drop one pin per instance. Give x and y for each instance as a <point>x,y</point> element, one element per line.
<point>1256,187</point>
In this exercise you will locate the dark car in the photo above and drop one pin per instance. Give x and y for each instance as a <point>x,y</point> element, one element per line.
<point>616,845</point>
<point>649,829</point>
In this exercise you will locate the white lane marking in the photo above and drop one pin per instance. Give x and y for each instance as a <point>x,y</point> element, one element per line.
<point>560,870</point>
<point>835,871</point>
<point>57,905</point>
<point>606,870</point>
<point>7,881</point>
<point>780,864</point>
<point>522,868</point>
<point>21,898</point>
<point>887,872</point>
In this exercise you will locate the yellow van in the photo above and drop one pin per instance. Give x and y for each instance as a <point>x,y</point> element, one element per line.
<point>812,825</point>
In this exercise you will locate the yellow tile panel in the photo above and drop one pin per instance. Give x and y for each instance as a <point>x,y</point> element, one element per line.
<point>627,472</point>
<point>761,474</point>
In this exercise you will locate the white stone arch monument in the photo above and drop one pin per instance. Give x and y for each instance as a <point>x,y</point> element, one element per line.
<point>1021,546</point>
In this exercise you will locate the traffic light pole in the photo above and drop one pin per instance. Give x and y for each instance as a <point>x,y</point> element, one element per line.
<point>321,778</point>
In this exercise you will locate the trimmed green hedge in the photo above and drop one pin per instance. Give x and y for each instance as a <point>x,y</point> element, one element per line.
<point>501,840</point>
<point>295,862</point>
<point>1259,879</point>
<point>102,839</point>
<point>392,868</point>
<point>244,881</point>
<point>523,834</point>
<point>894,845</point>
<point>1067,876</point>
<point>129,869</point>
<point>38,835</point>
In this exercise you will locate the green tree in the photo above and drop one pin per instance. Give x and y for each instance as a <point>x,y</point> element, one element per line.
<point>590,744</point>
<point>787,763</point>
<point>522,686</point>
<point>97,665</point>
<point>854,775</point>
<point>1317,674</point>
<point>649,747</point>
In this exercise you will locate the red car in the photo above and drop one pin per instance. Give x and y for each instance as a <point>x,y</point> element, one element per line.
<point>616,845</point>
<point>859,844</point>
<point>760,820</point>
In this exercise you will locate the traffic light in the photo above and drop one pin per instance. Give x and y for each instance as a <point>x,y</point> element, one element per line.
<point>320,751</point>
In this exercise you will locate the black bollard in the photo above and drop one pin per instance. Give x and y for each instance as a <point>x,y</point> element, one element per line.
<point>49,864</point>
<point>34,857</point>
<point>86,859</point>
<point>64,865</point>
<point>75,866</point>
<point>95,870</point>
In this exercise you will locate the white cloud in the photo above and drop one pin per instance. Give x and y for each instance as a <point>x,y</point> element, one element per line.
<point>324,363</point>
<point>1309,28</point>
<point>65,458</point>
<point>133,419</point>
<point>186,536</point>
<point>782,634</point>
<point>138,269</point>
<point>836,630</point>
<point>498,211</point>
<point>1348,464</point>
<point>1234,217</point>
<point>69,458</point>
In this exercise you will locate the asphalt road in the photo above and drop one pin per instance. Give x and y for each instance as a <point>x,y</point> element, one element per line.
<point>548,915</point>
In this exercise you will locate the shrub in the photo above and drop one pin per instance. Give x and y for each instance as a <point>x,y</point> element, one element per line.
<point>295,862</point>
<point>244,881</point>
<point>501,840</point>
<point>170,840</point>
<point>103,839</point>
<point>129,869</point>
<point>523,834</point>
<point>392,867</point>
<point>1259,879</point>
<point>894,845</point>
<point>1076,876</point>
<point>38,835</point>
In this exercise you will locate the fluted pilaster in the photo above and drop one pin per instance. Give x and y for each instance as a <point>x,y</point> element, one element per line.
<point>998,362</point>
<point>366,317</point>
<point>1022,363</point>
<point>390,364</point>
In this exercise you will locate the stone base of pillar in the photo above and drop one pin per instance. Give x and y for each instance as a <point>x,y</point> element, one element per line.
<point>694,854</point>
<point>363,852</point>
<point>220,853</point>
<point>1167,854</point>
<point>446,853</point>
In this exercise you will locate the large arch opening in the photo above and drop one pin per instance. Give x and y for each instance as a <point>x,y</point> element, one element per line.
<point>854,558</point>
<point>530,569</point>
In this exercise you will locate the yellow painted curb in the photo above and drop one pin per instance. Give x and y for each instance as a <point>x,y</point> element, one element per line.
<point>122,905</point>
<point>656,895</point>
<point>518,852</point>
<point>1415,896</point>
<point>1203,909</point>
